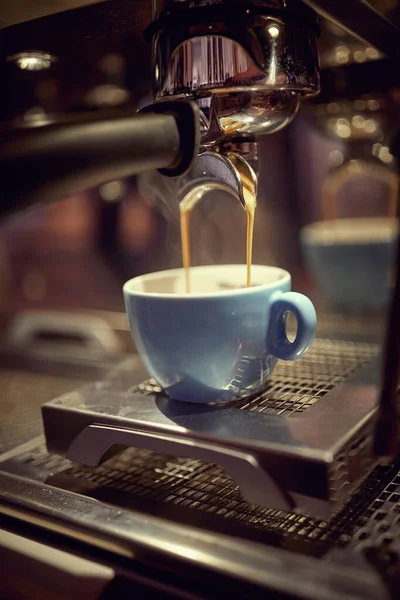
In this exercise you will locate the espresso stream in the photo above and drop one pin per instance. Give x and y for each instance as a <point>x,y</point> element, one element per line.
<point>250,201</point>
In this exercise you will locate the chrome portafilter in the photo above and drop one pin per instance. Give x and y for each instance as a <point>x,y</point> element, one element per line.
<point>245,64</point>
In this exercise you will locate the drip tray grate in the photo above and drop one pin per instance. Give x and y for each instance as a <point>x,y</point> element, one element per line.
<point>296,386</point>
<point>199,493</point>
<point>189,490</point>
<point>273,428</point>
<point>195,492</point>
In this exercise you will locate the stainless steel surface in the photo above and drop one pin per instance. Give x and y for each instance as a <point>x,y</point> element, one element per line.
<point>223,172</point>
<point>200,494</point>
<point>324,420</point>
<point>22,394</point>
<point>181,548</point>
<point>82,335</point>
<point>309,431</point>
<point>52,573</point>
<point>164,507</point>
<point>361,19</point>
<point>18,11</point>
<point>89,447</point>
<point>27,379</point>
<point>246,66</point>
<point>159,6</point>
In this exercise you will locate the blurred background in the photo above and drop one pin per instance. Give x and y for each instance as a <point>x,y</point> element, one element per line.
<point>74,255</point>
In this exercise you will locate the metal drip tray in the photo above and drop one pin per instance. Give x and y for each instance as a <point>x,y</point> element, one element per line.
<point>192,492</point>
<point>303,444</point>
<point>173,506</point>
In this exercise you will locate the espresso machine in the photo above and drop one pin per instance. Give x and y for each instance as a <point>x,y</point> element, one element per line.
<point>115,490</point>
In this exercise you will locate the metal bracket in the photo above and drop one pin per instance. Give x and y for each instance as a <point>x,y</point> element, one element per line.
<point>91,444</point>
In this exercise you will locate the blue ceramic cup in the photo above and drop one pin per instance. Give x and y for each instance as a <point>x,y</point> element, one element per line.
<point>222,341</point>
<point>352,260</point>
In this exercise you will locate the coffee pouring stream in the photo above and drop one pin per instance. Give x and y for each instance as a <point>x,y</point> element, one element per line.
<point>213,171</point>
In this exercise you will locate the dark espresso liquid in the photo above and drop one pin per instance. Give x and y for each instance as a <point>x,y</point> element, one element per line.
<point>250,206</point>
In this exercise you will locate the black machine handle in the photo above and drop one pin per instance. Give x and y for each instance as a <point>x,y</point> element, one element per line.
<point>387,430</point>
<point>43,163</point>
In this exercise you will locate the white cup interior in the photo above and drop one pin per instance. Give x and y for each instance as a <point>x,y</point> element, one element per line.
<point>207,280</point>
<point>367,230</point>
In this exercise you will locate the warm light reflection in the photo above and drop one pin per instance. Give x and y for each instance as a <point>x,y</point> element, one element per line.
<point>112,191</point>
<point>383,153</point>
<point>336,158</point>
<point>370,126</point>
<point>273,31</point>
<point>32,61</point>
<point>333,108</point>
<point>359,104</point>
<point>358,122</point>
<point>360,56</point>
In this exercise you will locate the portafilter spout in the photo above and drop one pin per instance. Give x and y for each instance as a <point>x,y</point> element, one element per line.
<point>228,172</point>
<point>230,168</point>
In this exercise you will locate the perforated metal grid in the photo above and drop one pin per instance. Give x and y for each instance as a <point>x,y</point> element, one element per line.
<point>296,386</point>
<point>375,533</point>
<point>197,492</point>
<point>354,326</point>
<point>182,488</point>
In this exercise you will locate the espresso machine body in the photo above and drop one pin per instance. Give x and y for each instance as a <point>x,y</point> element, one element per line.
<point>293,493</point>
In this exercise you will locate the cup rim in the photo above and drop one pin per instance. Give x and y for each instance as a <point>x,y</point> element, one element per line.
<point>323,232</point>
<point>127,288</point>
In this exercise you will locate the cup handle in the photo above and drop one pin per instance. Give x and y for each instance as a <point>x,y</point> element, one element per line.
<point>303,309</point>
